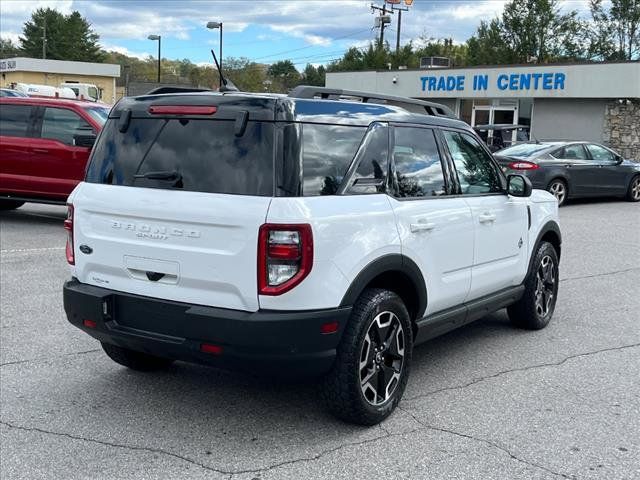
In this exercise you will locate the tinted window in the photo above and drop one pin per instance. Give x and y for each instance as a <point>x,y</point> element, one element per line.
<point>601,154</point>
<point>523,150</point>
<point>372,161</point>
<point>206,155</point>
<point>62,124</point>
<point>476,172</point>
<point>573,152</point>
<point>14,120</point>
<point>418,169</point>
<point>327,151</point>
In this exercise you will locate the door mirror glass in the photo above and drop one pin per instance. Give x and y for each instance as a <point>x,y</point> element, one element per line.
<point>519,186</point>
<point>84,140</point>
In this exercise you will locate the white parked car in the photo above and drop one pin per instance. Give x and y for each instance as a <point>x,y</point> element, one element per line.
<point>305,234</point>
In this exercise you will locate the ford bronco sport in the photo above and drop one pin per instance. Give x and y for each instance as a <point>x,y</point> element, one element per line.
<point>325,232</point>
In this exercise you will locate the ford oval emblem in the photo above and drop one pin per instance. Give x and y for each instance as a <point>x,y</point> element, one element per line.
<point>86,249</point>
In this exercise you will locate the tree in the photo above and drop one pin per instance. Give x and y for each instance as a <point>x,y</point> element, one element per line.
<point>615,34</point>
<point>67,37</point>
<point>284,75</point>
<point>487,46</point>
<point>536,30</point>
<point>314,76</point>
<point>8,49</point>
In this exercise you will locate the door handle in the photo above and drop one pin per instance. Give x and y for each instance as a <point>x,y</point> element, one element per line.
<point>487,218</point>
<point>41,150</point>
<point>422,227</point>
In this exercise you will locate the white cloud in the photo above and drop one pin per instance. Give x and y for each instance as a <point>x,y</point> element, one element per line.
<point>126,51</point>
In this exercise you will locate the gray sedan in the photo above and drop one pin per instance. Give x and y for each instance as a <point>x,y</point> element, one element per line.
<point>573,169</point>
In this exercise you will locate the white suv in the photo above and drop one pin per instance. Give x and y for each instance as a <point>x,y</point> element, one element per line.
<point>320,233</point>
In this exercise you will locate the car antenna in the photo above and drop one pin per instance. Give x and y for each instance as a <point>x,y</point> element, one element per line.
<point>225,85</point>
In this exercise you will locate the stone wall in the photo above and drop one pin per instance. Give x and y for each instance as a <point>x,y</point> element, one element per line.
<point>622,128</point>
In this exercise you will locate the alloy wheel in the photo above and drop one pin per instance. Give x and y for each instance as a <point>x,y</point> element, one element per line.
<point>635,189</point>
<point>382,358</point>
<point>545,286</point>
<point>558,190</point>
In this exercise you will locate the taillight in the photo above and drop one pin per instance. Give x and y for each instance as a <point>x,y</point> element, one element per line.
<point>523,166</point>
<point>68,226</point>
<point>182,110</point>
<point>285,257</point>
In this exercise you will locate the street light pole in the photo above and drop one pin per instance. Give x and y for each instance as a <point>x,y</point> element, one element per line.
<point>159,39</point>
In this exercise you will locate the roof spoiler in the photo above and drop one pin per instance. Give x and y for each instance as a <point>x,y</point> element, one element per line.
<point>410,104</point>
<point>162,90</point>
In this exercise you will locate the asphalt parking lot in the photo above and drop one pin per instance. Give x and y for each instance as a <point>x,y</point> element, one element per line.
<point>487,401</point>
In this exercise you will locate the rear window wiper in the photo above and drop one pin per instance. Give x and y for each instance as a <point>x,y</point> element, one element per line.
<point>162,175</point>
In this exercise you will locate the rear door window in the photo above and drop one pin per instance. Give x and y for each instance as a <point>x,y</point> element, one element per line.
<point>573,152</point>
<point>327,152</point>
<point>204,155</point>
<point>417,163</point>
<point>15,120</point>
<point>62,125</point>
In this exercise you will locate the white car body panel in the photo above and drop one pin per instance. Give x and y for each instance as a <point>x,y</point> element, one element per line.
<point>204,243</point>
<point>349,232</point>
<point>437,234</point>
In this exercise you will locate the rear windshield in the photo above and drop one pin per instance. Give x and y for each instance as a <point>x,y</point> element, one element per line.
<point>523,150</point>
<point>188,154</point>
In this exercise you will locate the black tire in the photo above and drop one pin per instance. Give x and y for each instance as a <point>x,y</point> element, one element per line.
<point>142,362</point>
<point>633,192</point>
<point>347,395</point>
<point>559,189</point>
<point>535,309</point>
<point>10,204</point>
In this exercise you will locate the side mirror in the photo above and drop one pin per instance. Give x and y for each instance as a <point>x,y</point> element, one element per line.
<point>84,140</point>
<point>519,186</point>
<point>619,159</point>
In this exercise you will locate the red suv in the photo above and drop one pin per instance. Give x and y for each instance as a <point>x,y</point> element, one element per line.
<point>44,147</point>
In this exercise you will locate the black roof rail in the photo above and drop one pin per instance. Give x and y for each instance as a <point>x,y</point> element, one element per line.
<point>161,90</point>
<point>410,104</point>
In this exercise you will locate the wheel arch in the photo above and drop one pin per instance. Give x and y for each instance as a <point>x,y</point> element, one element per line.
<point>394,272</point>
<point>550,232</point>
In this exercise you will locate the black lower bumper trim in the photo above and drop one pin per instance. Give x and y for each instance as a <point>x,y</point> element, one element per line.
<point>279,342</point>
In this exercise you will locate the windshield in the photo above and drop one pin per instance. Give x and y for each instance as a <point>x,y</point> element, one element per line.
<point>524,150</point>
<point>99,114</point>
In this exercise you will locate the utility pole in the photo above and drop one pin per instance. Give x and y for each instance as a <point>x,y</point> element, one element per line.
<point>383,19</point>
<point>44,39</point>
<point>396,8</point>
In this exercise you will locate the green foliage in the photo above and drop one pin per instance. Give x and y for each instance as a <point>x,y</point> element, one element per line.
<point>615,33</point>
<point>314,76</point>
<point>8,49</point>
<point>68,37</point>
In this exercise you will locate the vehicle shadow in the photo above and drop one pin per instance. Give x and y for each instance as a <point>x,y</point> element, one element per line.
<point>41,214</point>
<point>188,396</point>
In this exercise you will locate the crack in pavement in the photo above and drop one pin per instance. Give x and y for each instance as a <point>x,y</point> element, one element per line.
<point>486,442</point>
<point>71,354</point>
<point>231,473</point>
<point>520,369</point>
<point>323,453</point>
<point>604,274</point>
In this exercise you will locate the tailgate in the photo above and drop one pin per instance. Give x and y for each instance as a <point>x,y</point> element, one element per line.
<point>191,247</point>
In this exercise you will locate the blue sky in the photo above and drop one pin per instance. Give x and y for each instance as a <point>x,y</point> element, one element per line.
<point>305,31</point>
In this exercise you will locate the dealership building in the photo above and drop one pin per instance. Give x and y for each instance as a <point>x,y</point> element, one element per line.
<point>55,72</point>
<point>595,101</point>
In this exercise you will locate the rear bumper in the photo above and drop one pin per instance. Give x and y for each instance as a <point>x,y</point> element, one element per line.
<point>282,343</point>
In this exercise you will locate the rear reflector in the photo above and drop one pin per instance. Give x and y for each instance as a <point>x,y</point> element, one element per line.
<point>68,226</point>
<point>523,166</point>
<point>210,348</point>
<point>89,323</point>
<point>182,110</point>
<point>330,327</point>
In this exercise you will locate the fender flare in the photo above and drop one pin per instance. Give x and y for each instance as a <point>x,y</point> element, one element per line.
<point>550,226</point>
<point>394,262</point>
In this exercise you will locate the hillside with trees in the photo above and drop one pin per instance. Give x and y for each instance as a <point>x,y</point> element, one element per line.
<point>528,31</point>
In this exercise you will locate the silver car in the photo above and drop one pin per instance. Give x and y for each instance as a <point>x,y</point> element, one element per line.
<point>573,169</point>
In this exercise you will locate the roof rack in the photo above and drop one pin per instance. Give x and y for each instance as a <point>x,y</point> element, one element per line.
<point>161,90</point>
<point>410,104</point>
